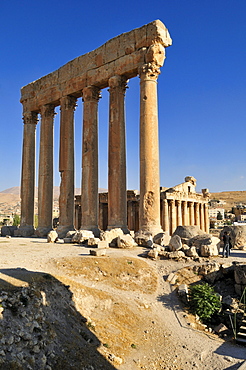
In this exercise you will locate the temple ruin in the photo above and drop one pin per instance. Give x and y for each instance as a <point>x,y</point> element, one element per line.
<point>180,205</point>
<point>140,52</point>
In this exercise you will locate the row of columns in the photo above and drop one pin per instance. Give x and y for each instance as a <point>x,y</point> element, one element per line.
<point>176,213</point>
<point>117,196</point>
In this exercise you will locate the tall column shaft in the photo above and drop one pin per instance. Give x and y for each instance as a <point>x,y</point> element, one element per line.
<point>28,170</point>
<point>191,209</point>
<point>117,196</point>
<point>206,218</point>
<point>66,165</point>
<point>179,213</point>
<point>202,221</point>
<point>173,215</point>
<point>197,214</point>
<point>149,151</point>
<point>45,178</point>
<point>165,216</point>
<point>185,213</point>
<point>89,188</point>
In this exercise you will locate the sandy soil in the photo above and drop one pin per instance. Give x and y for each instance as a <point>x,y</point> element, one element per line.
<point>127,302</point>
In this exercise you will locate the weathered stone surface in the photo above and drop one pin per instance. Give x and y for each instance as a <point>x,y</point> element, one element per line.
<point>237,234</point>
<point>98,252</point>
<point>188,232</point>
<point>175,243</point>
<point>144,239</point>
<point>191,252</point>
<point>82,236</point>
<point>41,232</point>
<point>111,236</point>
<point>24,231</point>
<point>125,241</point>
<point>52,237</point>
<point>153,253</point>
<point>176,255</point>
<point>8,230</point>
<point>207,245</point>
<point>162,238</point>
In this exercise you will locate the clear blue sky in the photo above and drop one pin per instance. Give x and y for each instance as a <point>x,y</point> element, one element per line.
<point>202,87</point>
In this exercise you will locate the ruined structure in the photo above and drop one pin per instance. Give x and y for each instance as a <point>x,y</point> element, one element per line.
<point>180,205</point>
<point>140,52</point>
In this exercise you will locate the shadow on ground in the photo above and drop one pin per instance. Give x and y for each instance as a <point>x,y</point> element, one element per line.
<point>40,326</point>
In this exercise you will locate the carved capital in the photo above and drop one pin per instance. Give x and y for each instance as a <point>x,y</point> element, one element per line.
<point>48,110</point>
<point>68,102</point>
<point>149,71</point>
<point>118,82</point>
<point>91,93</point>
<point>178,202</point>
<point>30,118</point>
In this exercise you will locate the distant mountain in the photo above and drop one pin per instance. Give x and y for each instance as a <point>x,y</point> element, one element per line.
<point>56,191</point>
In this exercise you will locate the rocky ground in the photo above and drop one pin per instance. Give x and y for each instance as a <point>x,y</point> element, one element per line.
<point>64,309</point>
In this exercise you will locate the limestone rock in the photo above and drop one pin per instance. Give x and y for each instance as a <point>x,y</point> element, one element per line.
<point>207,245</point>
<point>175,243</point>
<point>237,234</point>
<point>98,252</point>
<point>111,236</point>
<point>191,252</point>
<point>52,237</point>
<point>41,232</point>
<point>144,239</point>
<point>153,253</point>
<point>125,241</point>
<point>188,232</point>
<point>82,236</point>
<point>24,231</point>
<point>162,238</point>
<point>8,230</point>
<point>176,255</point>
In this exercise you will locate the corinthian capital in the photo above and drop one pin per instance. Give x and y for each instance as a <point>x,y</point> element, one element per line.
<point>91,93</point>
<point>48,110</point>
<point>149,71</point>
<point>118,82</point>
<point>68,102</point>
<point>30,118</point>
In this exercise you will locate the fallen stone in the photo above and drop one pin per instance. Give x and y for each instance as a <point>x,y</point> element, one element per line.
<point>191,252</point>
<point>125,241</point>
<point>111,236</point>
<point>153,253</point>
<point>162,238</point>
<point>98,252</point>
<point>82,236</point>
<point>52,237</point>
<point>175,243</point>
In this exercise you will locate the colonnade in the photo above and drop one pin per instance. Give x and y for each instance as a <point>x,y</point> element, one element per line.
<point>117,202</point>
<point>184,212</point>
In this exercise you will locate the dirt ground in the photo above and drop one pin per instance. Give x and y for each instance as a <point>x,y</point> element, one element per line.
<point>129,306</point>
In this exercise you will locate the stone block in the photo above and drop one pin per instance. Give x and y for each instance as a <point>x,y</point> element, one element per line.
<point>52,237</point>
<point>98,252</point>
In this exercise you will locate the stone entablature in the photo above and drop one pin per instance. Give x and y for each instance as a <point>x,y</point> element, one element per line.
<point>122,55</point>
<point>140,52</point>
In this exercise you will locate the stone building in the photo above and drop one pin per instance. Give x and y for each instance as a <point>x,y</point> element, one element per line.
<point>179,205</point>
<point>140,52</point>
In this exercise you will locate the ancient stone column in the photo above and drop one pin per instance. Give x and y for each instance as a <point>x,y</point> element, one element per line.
<point>165,216</point>
<point>149,217</point>
<point>191,211</point>
<point>185,213</point>
<point>89,188</point>
<point>28,174</point>
<point>66,165</point>
<point>197,214</point>
<point>206,218</point>
<point>173,215</point>
<point>45,175</point>
<point>179,213</point>
<point>202,221</point>
<point>117,195</point>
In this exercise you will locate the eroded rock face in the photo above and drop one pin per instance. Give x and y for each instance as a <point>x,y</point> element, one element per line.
<point>237,234</point>
<point>175,243</point>
<point>188,232</point>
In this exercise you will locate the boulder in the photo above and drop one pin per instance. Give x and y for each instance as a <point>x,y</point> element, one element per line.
<point>176,255</point>
<point>175,243</point>
<point>188,232</point>
<point>206,244</point>
<point>24,231</point>
<point>52,237</point>
<point>153,253</point>
<point>82,236</point>
<point>8,230</point>
<point>111,236</point>
<point>144,239</point>
<point>237,234</point>
<point>191,252</point>
<point>162,238</point>
<point>125,241</point>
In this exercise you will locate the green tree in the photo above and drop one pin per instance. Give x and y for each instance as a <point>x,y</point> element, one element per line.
<point>16,220</point>
<point>203,301</point>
